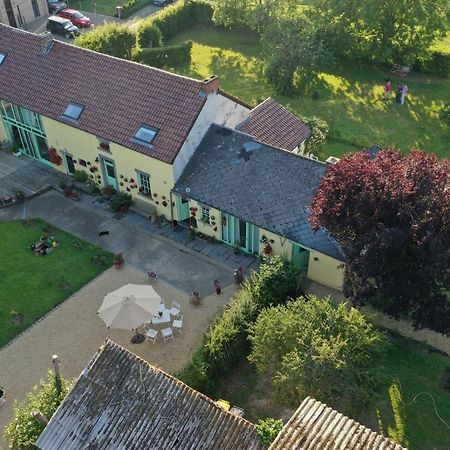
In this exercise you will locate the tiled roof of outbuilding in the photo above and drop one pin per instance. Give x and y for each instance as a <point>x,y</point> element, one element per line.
<point>316,426</point>
<point>121,402</point>
<point>266,186</point>
<point>118,95</point>
<point>272,124</point>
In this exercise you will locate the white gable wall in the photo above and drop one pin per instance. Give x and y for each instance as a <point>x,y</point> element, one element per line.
<point>217,109</point>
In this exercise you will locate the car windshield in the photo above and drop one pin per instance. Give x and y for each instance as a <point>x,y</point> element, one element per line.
<point>67,25</point>
<point>77,15</point>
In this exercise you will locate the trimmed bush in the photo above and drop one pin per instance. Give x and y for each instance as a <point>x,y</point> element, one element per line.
<point>80,175</point>
<point>148,35</point>
<point>227,339</point>
<point>169,56</point>
<point>121,201</point>
<point>436,62</point>
<point>182,15</point>
<point>110,38</point>
<point>133,6</point>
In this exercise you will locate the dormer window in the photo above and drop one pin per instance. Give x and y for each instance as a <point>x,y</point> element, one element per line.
<point>145,134</point>
<point>73,111</point>
<point>2,57</point>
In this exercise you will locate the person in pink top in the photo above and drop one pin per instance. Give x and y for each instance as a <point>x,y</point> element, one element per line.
<point>405,90</point>
<point>387,89</point>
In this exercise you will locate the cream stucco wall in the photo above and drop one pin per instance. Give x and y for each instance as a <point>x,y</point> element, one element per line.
<point>82,145</point>
<point>280,245</point>
<point>325,270</point>
<point>26,11</point>
<point>205,228</point>
<point>217,109</point>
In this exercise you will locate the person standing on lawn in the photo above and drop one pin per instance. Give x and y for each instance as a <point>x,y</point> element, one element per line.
<point>405,91</point>
<point>387,90</point>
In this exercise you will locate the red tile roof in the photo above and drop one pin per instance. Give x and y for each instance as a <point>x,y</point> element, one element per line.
<point>272,124</point>
<point>118,95</point>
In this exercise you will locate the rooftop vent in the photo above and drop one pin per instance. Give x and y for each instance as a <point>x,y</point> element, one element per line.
<point>46,39</point>
<point>210,84</point>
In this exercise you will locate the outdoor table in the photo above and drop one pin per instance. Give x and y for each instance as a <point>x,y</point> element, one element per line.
<point>164,318</point>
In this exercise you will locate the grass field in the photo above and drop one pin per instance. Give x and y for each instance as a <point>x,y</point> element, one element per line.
<point>32,285</point>
<point>407,369</point>
<point>350,98</point>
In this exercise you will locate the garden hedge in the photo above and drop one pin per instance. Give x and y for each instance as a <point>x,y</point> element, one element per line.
<point>168,56</point>
<point>148,35</point>
<point>226,341</point>
<point>437,62</point>
<point>182,15</point>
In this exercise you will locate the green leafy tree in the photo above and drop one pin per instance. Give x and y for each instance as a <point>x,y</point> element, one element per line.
<point>293,50</point>
<point>110,38</point>
<point>311,347</point>
<point>23,431</point>
<point>148,35</point>
<point>383,30</point>
<point>320,130</point>
<point>268,429</point>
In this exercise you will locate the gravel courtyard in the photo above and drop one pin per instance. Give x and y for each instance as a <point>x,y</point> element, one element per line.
<point>73,331</point>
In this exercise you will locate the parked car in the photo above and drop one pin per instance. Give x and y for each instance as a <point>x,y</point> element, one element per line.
<point>55,5</point>
<point>162,2</point>
<point>78,19</point>
<point>62,26</point>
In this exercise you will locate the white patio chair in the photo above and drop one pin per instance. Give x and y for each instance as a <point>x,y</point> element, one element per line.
<point>178,324</point>
<point>151,335</point>
<point>176,309</point>
<point>167,334</point>
<point>161,307</point>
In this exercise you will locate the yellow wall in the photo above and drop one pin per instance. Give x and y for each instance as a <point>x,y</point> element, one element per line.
<point>325,270</point>
<point>3,135</point>
<point>205,228</point>
<point>280,246</point>
<point>82,145</point>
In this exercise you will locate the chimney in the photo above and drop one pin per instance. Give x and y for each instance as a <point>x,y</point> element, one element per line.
<point>331,161</point>
<point>46,39</point>
<point>210,84</point>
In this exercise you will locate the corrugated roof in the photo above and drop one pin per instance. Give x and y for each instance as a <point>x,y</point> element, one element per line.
<point>316,426</point>
<point>118,95</point>
<point>272,124</point>
<point>263,185</point>
<point>120,402</point>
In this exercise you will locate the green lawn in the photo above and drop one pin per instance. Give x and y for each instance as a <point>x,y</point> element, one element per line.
<point>407,370</point>
<point>32,285</point>
<point>107,7</point>
<point>350,97</point>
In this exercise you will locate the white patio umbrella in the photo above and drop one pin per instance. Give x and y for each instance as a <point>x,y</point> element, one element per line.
<point>129,306</point>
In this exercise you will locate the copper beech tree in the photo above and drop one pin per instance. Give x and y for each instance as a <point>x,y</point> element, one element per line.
<point>391,215</point>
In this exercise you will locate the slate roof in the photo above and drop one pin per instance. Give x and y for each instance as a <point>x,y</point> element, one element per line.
<point>272,124</point>
<point>266,186</point>
<point>121,402</point>
<point>373,151</point>
<point>316,426</point>
<point>118,95</point>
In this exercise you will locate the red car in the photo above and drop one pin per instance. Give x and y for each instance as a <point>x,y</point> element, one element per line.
<point>75,17</point>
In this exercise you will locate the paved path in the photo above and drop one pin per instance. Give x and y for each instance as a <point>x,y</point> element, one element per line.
<point>74,332</point>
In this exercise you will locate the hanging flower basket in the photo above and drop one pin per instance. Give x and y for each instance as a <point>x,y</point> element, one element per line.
<point>53,156</point>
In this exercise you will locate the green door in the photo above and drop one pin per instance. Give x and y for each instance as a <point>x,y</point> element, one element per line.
<point>300,256</point>
<point>183,209</point>
<point>110,173</point>
<point>241,233</point>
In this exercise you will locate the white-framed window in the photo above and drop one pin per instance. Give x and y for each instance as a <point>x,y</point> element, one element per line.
<point>144,184</point>
<point>205,215</point>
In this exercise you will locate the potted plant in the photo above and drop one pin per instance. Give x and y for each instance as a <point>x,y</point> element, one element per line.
<point>20,195</point>
<point>236,248</point>
<point>118,260</point>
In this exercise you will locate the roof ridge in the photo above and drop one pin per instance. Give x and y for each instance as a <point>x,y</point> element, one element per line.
<point>81,49</point>
<point>109,343</point>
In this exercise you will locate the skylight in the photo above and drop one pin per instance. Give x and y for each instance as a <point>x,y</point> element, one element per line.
<point>73,111</point>
<point>2,57</point>
<point>145,134</point>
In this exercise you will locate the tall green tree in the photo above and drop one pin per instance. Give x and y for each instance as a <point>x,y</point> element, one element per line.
<point>383,30</point>
<point>311,347</point>
<point>293,49</point>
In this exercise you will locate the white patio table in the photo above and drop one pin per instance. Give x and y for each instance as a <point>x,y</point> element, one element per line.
<point>164,318</point>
